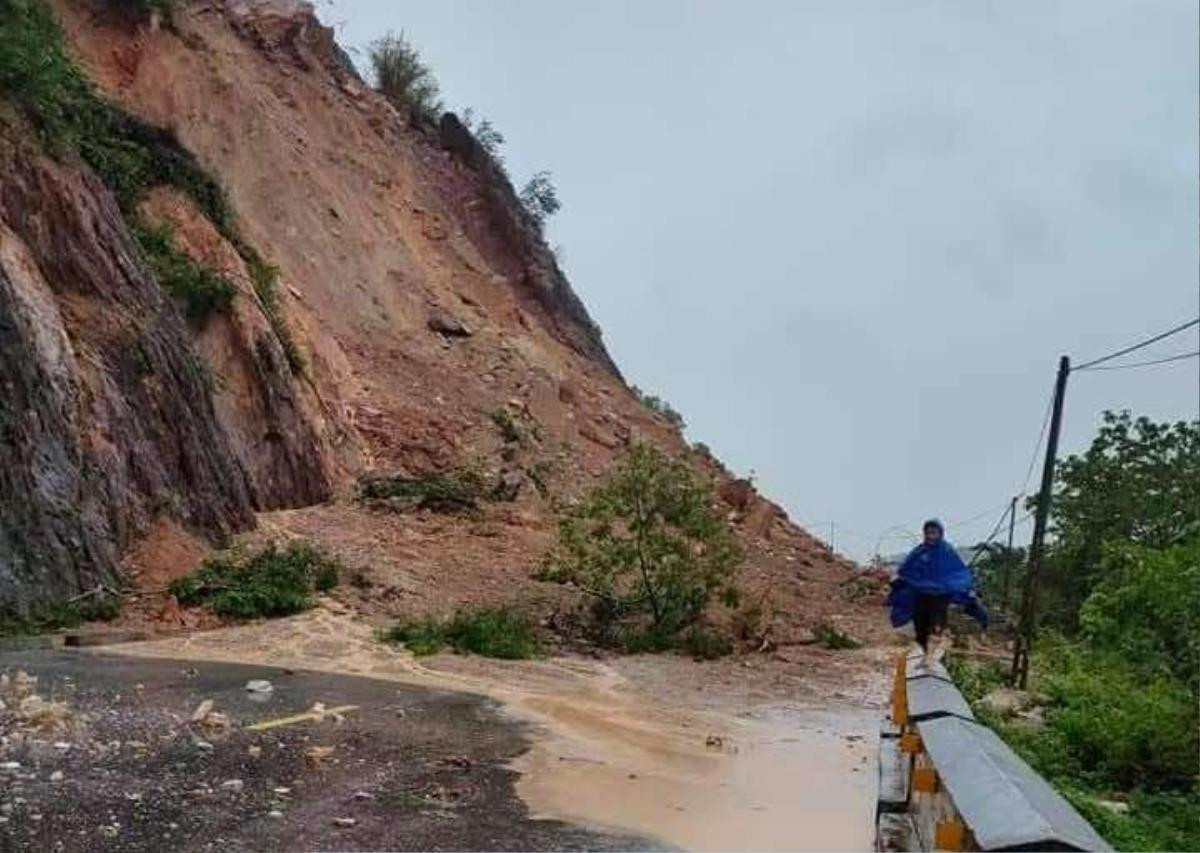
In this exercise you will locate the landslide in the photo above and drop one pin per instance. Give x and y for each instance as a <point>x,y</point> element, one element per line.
<point>413,321</point>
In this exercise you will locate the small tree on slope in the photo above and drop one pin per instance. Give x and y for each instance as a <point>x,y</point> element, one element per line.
<point>648,547</point>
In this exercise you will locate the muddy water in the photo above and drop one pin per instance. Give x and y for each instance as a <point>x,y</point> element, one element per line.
<point>613,752</point>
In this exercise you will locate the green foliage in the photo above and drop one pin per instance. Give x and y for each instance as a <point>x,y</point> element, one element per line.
<point>976,679</point>
<point>202,290</point>
<point>540,198</point>
<point>272,582</point>
<point>489,138</point>
<point>448,491</point>
<point>833,638</point>
<point>649,549</point>
<point>101,606</point>
<point>1155,821</point>
<point>509,430</point>
<point>265,279</point>
<point>1138,482</point>
<point>128,155</point>
<point>660,407</point>
<point>1119,677</point>
<point>496,632</point>
<point>1147,608</point>
<point>1116,726</point>
<point>1000,573</point>
<point>1108,734</point>
<point>404,79</point>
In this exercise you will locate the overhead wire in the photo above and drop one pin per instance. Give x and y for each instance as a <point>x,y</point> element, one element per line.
<point>1167,360</point>
<point>1094,364</point>
<point>1139,345</point>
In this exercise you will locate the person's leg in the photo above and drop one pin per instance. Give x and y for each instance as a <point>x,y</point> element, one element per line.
<point>921,622</point>
<point>938,611</point>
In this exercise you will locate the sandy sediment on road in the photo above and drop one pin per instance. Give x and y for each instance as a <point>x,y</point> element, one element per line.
<point>737,754</point>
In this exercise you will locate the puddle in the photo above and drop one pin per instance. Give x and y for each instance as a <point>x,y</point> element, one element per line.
<point>609,754</point>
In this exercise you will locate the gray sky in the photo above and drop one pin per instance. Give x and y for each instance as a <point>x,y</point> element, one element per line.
<point>849,240</point>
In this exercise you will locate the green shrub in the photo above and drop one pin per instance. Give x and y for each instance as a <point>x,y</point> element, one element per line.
<point>705,644</point>
<point>404,79</point>
<point>509,430</point>
<point>1155,821</point>
<point>496,632</point>
<point>1119,727</point>
<point>102,606</point>
<point>273,582</point>
<point>975,679</point>
<point>648,548</point>
<point>202,290</point>
<point>1147,608</point>
<point>450,491</point>
<point>660,407</point>
<point>833,638</point>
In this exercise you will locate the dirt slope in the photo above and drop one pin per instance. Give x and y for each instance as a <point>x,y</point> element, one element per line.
<point>421,302</point>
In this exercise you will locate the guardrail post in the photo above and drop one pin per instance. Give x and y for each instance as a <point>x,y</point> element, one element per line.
<point>900,692</point>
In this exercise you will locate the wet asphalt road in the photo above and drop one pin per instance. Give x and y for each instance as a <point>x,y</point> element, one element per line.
<point>411,769</point>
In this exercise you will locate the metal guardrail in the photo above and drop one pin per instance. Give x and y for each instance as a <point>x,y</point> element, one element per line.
<point>947,782</point>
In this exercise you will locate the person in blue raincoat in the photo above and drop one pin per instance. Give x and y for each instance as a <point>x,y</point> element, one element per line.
<point>931,578</point>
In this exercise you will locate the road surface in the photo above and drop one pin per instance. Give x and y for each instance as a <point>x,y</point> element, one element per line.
<point>122,766</point>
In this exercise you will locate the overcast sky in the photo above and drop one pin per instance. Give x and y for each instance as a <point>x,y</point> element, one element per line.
<point>848,240</point>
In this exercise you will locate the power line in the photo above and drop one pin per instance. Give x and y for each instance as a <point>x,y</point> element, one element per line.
<point>1038,446</point>
<point>1180,357</point>
<point>1138,346</point>
<point>966,521</point>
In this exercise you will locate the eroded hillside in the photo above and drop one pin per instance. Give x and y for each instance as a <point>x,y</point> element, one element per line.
<point>393,311</point>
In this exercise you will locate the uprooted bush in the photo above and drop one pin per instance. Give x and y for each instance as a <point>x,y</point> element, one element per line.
<point>447,491</point>
<point>272,582</point>
<point>650,552</point>
<point>496,632</point>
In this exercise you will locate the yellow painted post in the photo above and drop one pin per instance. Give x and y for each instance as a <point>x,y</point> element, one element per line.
<point>924,780</point>
<point>900,692</point>
<point>950,835</point>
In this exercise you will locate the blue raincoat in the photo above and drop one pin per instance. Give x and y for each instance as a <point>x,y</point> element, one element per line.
<point>934,570</point>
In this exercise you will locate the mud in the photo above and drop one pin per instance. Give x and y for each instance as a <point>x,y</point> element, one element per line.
<point>635,745</point>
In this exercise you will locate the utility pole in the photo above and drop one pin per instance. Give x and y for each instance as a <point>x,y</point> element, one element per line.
<point>1020,661</point>
<point>1008,558</point>
<point>832,531</point>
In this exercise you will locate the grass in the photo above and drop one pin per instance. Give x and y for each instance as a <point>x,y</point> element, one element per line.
<point>452,491</point>
<point>272,582</point>
<point>495,632</point>
<point>202,290</point>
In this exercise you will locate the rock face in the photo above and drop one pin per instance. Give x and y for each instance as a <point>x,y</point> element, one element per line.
<point>435,329</point>
<point>106,420</point>
<point>529,259</point>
